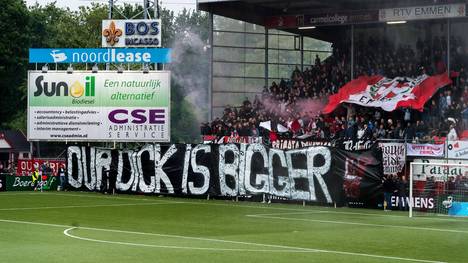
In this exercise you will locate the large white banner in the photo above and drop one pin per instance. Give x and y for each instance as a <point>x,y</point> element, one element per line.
<point>457,150</point>
<point>429,150</point>
<point>104,106</point>
<point>394,157</point>
<point>131,33</point>
<point>422,12</point>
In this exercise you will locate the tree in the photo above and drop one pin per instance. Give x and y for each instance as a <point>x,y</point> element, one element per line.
<point>190,73</point>
<point>52,27</point>
<point>14,23</point>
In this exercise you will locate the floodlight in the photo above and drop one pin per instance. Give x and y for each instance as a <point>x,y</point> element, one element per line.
<point>306,27</point>
<point>395,22</point>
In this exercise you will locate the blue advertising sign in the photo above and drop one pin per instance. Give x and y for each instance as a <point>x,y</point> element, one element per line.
<point>458,209</point>
<point>99,55</point>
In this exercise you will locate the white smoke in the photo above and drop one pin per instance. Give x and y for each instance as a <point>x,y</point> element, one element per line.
<point>190,70</point>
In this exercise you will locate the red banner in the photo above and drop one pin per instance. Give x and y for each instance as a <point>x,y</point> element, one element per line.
<point>388,94</point>
<point>289,21</point>
<point>26,167</point>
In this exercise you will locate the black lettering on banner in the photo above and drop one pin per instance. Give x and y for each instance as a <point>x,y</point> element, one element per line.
<point>75,167</point>
<point>146,169</point>
<point>227,170</point>
<point>125,173</point>
<point>102,164</point>
<point>279,183</point>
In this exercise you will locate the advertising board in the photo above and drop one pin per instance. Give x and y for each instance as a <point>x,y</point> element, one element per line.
<point>103,106</point>
<point>26,167</point>
<point>457,150</point>
<point>422,12</point>
<point>25,183</point>
<point>99,55</point>
<point>131,33</point>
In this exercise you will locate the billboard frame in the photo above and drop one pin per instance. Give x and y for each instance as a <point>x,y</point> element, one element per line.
<point>113,32</point>
<point>99,140</point>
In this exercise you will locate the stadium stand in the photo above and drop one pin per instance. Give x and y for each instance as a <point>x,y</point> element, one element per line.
<point>296,103</point>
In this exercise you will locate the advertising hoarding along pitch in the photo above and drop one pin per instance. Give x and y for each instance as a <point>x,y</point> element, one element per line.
<point>131,33</point>
<point>26,167</point>
<point>459,209</point>
<point>104,106</point>
<point>99,55</point>
<point>25,183</point>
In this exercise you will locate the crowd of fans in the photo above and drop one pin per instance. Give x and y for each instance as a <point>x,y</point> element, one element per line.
<point>294,104</point>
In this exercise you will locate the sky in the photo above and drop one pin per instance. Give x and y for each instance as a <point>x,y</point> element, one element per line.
<point>175,5</point>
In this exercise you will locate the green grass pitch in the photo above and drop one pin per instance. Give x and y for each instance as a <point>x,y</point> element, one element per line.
<point>90,227</point>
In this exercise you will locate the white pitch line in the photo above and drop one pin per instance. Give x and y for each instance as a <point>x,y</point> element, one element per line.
<point>203,202</point>
<point>358,224</point>
<point>377,256</point>
<point>86,195</point>
<point>293,249</point>
<point>357,213</point>
<point>103,196</point>
<point>299,249</point>
<point>136,198</point>
<point>85,206</point>
<point>67,233</point>
<point>387,215</point>
<point>288,213</point>
<point>161,235</point>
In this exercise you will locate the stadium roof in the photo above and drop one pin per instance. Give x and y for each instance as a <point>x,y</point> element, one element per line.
<point>13,141</point>
<point>257,11</point>
<point>254,9</point>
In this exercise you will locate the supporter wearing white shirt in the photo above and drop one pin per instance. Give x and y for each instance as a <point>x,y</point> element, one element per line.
<point>452,135</point>
<point>449,98</point>
<point>360,133</point>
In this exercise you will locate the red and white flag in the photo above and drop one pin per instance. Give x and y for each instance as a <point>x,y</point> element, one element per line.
<point>388,94</point>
